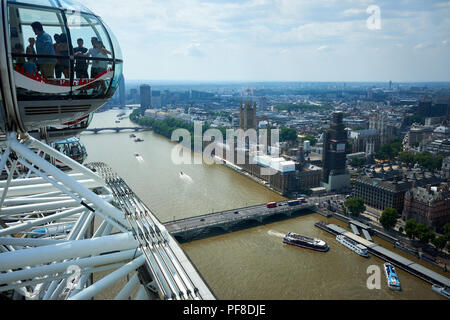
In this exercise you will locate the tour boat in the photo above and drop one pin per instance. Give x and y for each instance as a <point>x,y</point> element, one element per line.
<point>305,242</point>
<point>353,245</point>
<point>391,277</point>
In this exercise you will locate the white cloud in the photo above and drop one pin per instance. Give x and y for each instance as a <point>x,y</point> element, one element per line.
<point>424,46</point>
<point>420,46</point>
<point>323,48</point>
<point>191,50</point>
<point>353,12</point>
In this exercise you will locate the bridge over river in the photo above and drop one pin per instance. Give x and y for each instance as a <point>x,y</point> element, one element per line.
<point>118,129</point>
<point>226,221</point>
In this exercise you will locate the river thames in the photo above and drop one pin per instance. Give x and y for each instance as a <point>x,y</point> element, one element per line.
<point>251,263</point>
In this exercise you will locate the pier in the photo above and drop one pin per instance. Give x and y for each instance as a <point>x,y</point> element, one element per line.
<point>226,221</point>
<point>389,256</point>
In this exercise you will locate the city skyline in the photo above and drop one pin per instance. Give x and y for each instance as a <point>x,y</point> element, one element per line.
<point>263,40</point>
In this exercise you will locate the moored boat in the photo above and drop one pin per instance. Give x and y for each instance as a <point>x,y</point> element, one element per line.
<point>353,245</point>
<point>445,291</point>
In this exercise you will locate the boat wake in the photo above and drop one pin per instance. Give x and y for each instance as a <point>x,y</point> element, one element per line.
<point>276,234</point>
<point>186,178</point>
<point>140,159</point>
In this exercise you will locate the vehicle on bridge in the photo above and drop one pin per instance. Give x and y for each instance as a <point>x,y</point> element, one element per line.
<point>271,205</point>
<point>294,202</point>
<point>302,199</point>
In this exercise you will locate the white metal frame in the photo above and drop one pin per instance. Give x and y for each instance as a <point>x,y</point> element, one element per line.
<point>48,236</point>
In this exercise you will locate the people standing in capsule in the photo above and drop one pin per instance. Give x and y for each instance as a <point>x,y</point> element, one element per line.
<point>102,53</point>
<point>58,69</point>
<point>30,49</point>
<point>81,66</point>
<point>29,67</point>
<point>44,46</point>
<point>98,50</point>
<point>61,49</point>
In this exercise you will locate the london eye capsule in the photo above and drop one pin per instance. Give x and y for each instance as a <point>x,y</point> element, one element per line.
<point>73,148</point>
<point>58,64</point>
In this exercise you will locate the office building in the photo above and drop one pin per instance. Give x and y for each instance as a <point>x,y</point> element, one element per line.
<point>122,94</point>
<point>156,99</point>
<point>429,205</point>
<point>387,189</point>
<point>146,97</point>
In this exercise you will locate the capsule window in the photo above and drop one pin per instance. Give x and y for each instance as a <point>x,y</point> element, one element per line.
<point>46,3</point>
<point>71,5</point>
<point>92,53</point>
<point>40,51</point>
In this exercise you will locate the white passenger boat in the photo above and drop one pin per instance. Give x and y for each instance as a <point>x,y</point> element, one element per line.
<point>353,245</point>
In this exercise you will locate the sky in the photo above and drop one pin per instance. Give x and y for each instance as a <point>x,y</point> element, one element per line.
<point>281,40</point>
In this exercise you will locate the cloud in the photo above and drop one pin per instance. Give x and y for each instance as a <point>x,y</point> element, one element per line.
<point>424,46</point>
<point>353,12</point>
<point>191,50</point>
<point>245,34</point>
<point>323,48</point>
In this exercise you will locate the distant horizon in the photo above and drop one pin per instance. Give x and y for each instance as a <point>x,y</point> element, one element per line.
<point>287,81</point>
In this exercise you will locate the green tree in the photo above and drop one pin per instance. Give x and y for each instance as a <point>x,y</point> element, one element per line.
<point>411,228</point>
<point>424,233</point>
<point>447,231</point>
<point>390,150</point>
<point>447,228</point>
<point>355,206</point>
<point>389,218</point>
<point>311,139</point>
<point>440,242</point>
<point>406,157</point>
<point>288,134</point>
<point>424,159</point>
<point>357,162</point>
